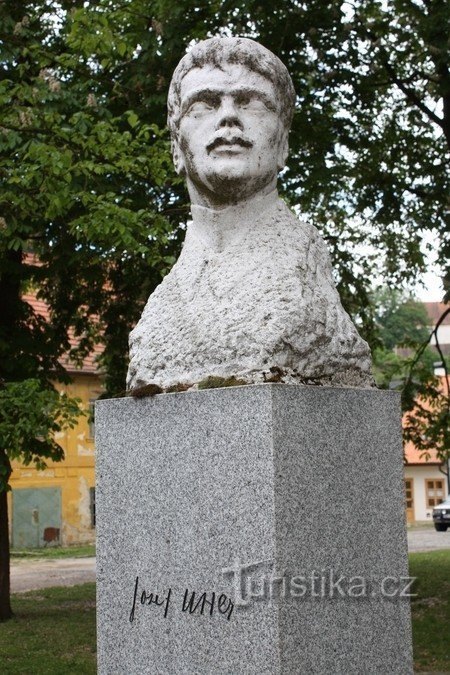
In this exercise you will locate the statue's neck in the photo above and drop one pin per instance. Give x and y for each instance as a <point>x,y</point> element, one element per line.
<point>218,229</point>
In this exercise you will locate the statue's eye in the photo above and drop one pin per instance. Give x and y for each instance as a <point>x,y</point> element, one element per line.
<point>199,107</point>
<point>250,102</point>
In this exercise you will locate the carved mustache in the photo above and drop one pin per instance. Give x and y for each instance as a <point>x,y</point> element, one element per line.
<point>229,140</point>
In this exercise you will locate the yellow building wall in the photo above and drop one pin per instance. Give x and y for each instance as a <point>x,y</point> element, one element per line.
<point>75,475</point>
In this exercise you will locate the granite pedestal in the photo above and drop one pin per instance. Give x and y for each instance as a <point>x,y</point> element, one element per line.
<point>281,507</point>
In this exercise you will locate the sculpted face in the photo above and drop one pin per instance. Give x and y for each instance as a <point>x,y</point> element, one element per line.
<point>232,141</point>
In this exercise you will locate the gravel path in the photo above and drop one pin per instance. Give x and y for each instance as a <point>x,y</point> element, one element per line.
<point>28,575</point>
<point>427,539</point>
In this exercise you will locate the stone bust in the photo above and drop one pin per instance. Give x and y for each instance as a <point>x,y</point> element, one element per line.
<point>252,294</point>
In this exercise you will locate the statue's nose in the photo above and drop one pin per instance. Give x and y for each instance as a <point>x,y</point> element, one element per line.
<point>228,114</point>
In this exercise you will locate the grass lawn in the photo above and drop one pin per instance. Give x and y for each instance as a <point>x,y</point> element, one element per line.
<point>53,632</point>
<point>431,610</point>
<point>55,552</point>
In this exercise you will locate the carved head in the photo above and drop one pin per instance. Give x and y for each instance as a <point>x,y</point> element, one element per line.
<point>230,107</point>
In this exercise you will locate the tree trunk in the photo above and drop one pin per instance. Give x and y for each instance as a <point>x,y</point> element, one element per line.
<point>10,308</point>
<point>5,602</point>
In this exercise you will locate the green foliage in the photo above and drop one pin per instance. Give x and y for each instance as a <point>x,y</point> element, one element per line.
<point>402,321</point>
<point>427,398</point>
<point>390,369</point>
<point>28,644</point>
<point>404,360</point>
<point>401,329</point>
<point>30,416</point>
<point>83,551</point>
<point>85,165</point>
<point>87,180</point>
<point>431,610</point>
<point>84,187</point>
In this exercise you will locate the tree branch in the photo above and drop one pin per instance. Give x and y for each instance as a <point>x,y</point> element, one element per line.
<point>395,79</point>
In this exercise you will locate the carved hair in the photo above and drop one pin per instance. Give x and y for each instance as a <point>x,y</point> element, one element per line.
<point>218,51</point>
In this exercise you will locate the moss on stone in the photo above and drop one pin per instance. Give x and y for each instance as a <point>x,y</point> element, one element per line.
<point>146,390</point>
<point>215,382</point>
<point>176,388</point>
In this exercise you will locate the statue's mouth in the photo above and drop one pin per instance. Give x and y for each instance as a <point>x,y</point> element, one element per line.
<point>229,143</point>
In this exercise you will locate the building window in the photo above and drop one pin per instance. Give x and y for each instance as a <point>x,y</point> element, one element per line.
<point>434,492</point>
<point>92,506</point>
<point>409,496</point>
<point>91,418</point>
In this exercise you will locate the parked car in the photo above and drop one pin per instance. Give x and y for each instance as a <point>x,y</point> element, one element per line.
<point>441,515</point>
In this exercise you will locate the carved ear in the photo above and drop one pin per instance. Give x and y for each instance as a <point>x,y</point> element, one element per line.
<point>283,150</point>
<point>177,157</point>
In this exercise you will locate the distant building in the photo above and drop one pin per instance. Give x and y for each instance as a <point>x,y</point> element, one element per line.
<point>57,505</point>
<point>425,484</point>
<point>425,480</point>
<point>435,310</point>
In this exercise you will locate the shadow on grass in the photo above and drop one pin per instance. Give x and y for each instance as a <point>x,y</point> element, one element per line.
<point>52,632</point>
<point>431,611</point>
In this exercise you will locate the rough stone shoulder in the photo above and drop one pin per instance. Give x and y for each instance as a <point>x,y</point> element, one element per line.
<point>345,339</point>
<point>314,247</point>
<point>165,292</point>
<point>318,252</point>
<point>295,229</point>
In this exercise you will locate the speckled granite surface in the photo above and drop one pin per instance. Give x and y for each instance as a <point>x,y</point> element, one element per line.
<point>302,485</point>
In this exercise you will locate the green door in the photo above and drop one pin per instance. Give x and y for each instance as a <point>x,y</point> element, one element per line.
<point>36,517</point>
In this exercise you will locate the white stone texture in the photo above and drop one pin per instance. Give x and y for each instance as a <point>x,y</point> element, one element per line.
<point>297,479</point>
<point>252,290</point>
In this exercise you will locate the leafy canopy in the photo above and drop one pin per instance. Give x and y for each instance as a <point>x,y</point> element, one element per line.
<point>84,155</point>
<point>404,359</point>
<point>87,179</point>
<point>30,416</point>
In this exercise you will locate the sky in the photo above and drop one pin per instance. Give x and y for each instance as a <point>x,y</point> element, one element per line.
<point>430,289</point>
